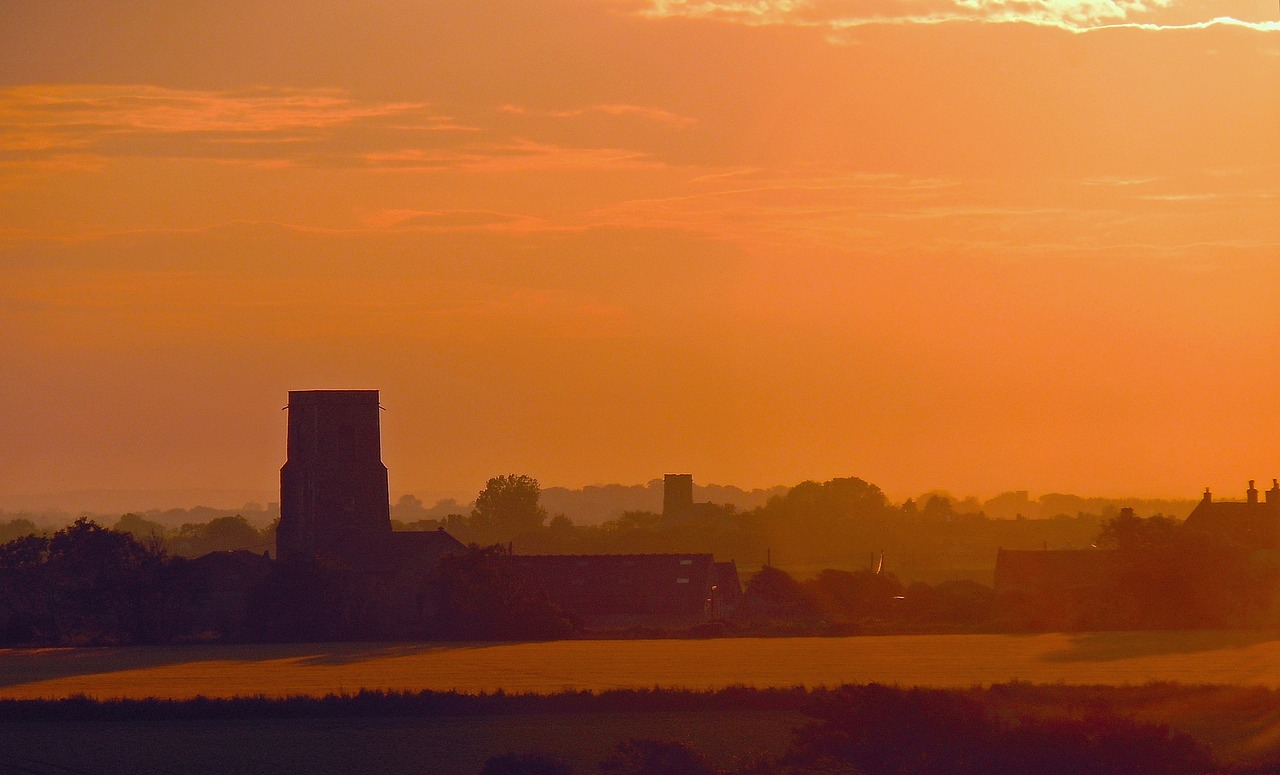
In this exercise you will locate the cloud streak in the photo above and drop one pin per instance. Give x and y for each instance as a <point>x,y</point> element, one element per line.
<point>82,127</point>
<point>49,124</point>
<point>612,110</point>
<point>1075,16</point>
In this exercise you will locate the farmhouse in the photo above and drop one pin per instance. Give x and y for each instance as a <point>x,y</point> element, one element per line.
<point>1064,589</point>
<point>1249,523</point>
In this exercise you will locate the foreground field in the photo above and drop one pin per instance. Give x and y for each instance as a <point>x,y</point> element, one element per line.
<point>1012,727</point>
<point>457,746</point>
<point>1237,658</point>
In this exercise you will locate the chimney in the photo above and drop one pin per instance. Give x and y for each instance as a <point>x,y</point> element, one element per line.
<point>1252,492</point>
<point>1208,498</point>
<point>1273,495</point>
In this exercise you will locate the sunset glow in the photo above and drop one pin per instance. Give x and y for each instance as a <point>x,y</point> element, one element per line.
<point>973,245</point>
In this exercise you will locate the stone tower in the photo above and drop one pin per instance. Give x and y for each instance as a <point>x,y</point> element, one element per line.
<point>333,486</point>
<point>677,495</point>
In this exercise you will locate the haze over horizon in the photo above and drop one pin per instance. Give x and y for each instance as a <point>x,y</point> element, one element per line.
<point>964,245</point>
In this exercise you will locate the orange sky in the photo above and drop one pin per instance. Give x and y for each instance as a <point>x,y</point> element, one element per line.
<point>976,245</point>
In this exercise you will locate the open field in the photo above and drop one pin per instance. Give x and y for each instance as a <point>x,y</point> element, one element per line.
<point>1197,657</point>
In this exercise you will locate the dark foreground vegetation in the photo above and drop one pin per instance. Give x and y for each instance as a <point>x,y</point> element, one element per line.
<point>1010,728</point>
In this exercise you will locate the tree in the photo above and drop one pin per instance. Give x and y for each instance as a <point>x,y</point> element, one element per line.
<point>90,584</point>
<point>221,534</point>
<point>508,507</point>
<point>16,528</point>
<point>773,595</point>
<point>525,764</point>
<point>655,757</point>
<point>478,595</point>
<point>27,602</point>
<point>1130,533</point>
<point>832,501</point>
<point>301,599</point>
<point>139,527</point>
<point>857,595</point>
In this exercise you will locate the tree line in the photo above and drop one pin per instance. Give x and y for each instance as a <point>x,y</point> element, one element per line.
<point>842,523</point>
<point>89,584</point>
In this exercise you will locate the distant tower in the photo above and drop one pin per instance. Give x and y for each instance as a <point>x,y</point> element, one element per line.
<point>677,495</point>
<point>333,486</point>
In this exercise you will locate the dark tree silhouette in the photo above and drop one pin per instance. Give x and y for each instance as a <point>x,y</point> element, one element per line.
<point>877,729</point>
<point>477,594</point>
<point>28,597</point>
<point>857,595</point>
<point>302,599</point>
<point>773,595</point>
<point>508,507</point>
<point>93,585</point>
<point>655,757</point>
<point>525,764</point>
<point>833,500</point>
<point>16,528</point>
<point>138,527</point>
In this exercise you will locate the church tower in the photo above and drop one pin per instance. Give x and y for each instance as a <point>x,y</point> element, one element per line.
<point>677,496</point>
<point>333,487</point>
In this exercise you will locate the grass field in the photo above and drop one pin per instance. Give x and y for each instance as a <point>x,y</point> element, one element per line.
<point>1233,658</point>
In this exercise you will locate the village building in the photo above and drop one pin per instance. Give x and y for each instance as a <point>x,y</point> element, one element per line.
<point>617,590</point>
<point>1064,588</point>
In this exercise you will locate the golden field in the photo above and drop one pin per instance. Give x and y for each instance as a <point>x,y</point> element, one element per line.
<point>1116,658</point>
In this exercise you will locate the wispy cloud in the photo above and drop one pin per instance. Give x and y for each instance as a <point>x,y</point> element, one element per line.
<point>513,156</point>
<point>157,109</point>
<point>617,110</point>
<point>50,124</point>
<point>1076,16</point>
<point>885,214</point>
<point>444,221</point>
<point>83,127</point>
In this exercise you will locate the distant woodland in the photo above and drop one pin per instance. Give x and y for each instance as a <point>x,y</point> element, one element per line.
<point>829,558</point>
<point>843,523</point>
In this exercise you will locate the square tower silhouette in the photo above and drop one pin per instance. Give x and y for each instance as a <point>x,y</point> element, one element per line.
<point>334,500</point>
